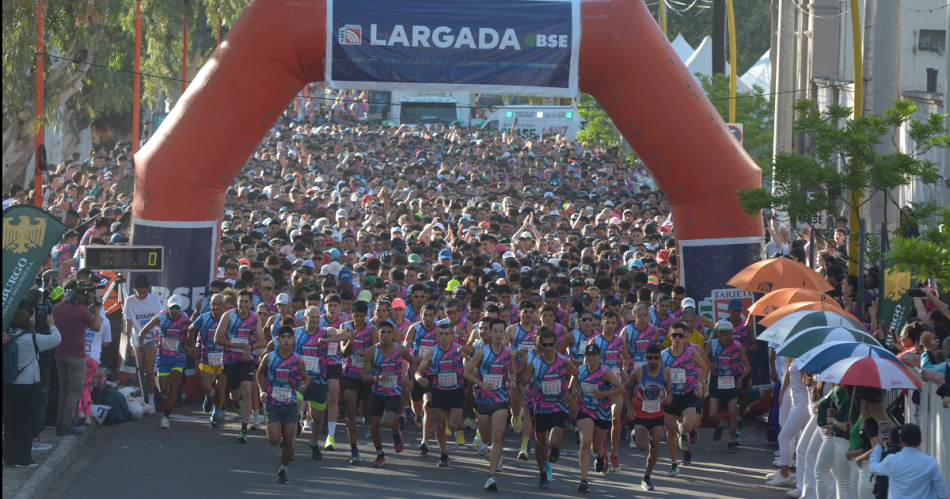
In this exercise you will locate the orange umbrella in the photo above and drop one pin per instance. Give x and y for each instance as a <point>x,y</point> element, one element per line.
<point>781,297</point>
<point>826,306</point>
<point>778,273</point>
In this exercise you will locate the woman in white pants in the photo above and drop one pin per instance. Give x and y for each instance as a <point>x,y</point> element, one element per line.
<point>810,444</point>
<point>873,423</point>
<point>794,424</point>
<point>839,425</point>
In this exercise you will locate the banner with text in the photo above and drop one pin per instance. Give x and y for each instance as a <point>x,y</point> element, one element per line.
<point>489,46</point>
<point>29,234</point>
<point>895,303</point>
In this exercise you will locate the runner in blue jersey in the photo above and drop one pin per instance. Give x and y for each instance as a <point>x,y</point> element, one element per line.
<point>240,332</point>
<point>211,359</point>
<point>650,387</point>
<point>420,339</point>
<point>447,396</point>
<point>281,375</point>
<point>521,339</point>
<point>384,368</point>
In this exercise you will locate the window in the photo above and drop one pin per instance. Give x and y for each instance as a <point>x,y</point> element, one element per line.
<point>933,39</point>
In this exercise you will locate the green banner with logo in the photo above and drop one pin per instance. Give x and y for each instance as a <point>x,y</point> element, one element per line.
<point>29,235</point>
<point>893,301</point>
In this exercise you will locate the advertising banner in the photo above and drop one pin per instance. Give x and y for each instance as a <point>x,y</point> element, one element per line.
<point>894,306</point>
<point>488,46</point>
<point>706,265</point>
<point>29,235</point>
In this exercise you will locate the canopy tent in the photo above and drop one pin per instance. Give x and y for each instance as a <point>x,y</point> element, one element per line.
<point>759,74</point>
<point>682,47</point>
<point>701,62</point>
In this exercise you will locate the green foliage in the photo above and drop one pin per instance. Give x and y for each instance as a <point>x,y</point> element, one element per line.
<point>845,159</point>
<point>755,112</point>
<point>927,255</point>
<point>599,131</point>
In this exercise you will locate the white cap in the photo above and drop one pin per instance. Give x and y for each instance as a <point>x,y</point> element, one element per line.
<point>341,213</point>
<point>283,299</point>
<point>507,255</point>
<point>174,300</point>
<point>689,303</point>
<point>334,267</point>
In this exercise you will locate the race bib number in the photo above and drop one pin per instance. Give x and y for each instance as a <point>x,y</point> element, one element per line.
<point>526,345</point>
<point>678,376</point>
<point>583,347</point>
<point>650,406</point>
<point>588,388</point>
<point>282,394</point>
<point>447,380</point>
<point>90,337</point>
<point>726,382</point>
<point>493,381</point>
<point>332,349</point>
<point>616,371</point>
<point>357,361</point>
<point>424,350</point>
<point>551,387</point>
<point>170,344</point>
<point>312,363</point>
<point>216,358</point>
<point>242,339</point>
<point>388,382</point>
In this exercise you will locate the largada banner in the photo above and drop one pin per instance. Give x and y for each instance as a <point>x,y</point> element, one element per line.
<point>29,234</point>
<point>488,46</point>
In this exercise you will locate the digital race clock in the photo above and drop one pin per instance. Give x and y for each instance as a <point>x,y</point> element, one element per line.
<point>122,258</point>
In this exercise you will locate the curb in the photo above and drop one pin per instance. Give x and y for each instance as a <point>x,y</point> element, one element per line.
<point>47,473</point>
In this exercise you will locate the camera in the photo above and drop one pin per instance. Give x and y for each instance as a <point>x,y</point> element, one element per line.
<point>916,293</point>
<point>83,294</point>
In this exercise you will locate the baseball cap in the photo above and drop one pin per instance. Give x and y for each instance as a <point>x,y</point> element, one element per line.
<point>399,303</point>
<point>365,296</point>
<point>723,325</point>
<point>663,256</point>
<point>735,304</point>
<point>174,300</point>
<point>454,283</point>
<point>334,253</point>
<point>345,276</point>
<point>592,348</point>
<point>689,303</point>
<point>445,254</point>
<point>507,255</point>
<point>283,299</point>
<point>415,258</point>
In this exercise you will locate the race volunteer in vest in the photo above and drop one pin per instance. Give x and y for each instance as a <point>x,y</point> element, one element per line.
<point>173,336</point>
<point>650,384</point>
<point>384,368</point>
<point>521,341</point>
<point>730,369</point>
<point>447,396</point>
<point>333,318</point>
<point>549,373</point>
<point>138,310</point>
<point>240,331</point>
<point>613,354</point>
<point>420,339</point>
<point>574,345</point>
<point>281,375</point>
<point>210,366</point>
<point>354,389</point>
<point>688,368</point>
<point>312,345</point>
<point>492,374</point>
<point>595,386</point>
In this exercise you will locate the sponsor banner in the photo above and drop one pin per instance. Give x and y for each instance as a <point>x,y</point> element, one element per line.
<point>29,235</point>
<point>490,46</point>
<point>894,306</point>
<point>706,265</point>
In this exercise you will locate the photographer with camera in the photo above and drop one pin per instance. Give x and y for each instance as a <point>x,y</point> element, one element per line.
<point>73,315</point>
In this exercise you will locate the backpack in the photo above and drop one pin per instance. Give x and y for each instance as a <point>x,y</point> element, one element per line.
<point>119,409</point>
<point>11,358</point>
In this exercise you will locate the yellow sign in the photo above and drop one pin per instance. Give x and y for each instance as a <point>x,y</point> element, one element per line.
<point>24,236</point>
<point>896,284</point>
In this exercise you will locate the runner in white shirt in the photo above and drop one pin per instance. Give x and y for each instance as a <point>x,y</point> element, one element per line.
<point>138,310</point>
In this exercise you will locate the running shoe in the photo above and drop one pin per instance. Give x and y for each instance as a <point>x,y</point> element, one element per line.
<point>687,458</point>
<point>369,432</point>
<point>478,439</point>
<point>674,470</point>
<point>470,424</point>
<point>554,455</point>
<point>398,443</point>
<point>255,426</point>
<point>355,458</point>
<point>443,461</point>
<point>645,484</point>
<point>164,423</point>
<point>424,448</point>
<point>408,414</point>
<point>402,421</point>
<point>330,444</point>
<point>242,437</point>
<point>600,464</point>
<point>523,453</point>
<point>731,448</point>
<point>208,403</point>
<point>583,488</point>
<point>459,438</point>
<point>717,433</point>
<point>577,437</point>
<point>315,451</point>
<point>794,493</point>
<point>215,422</point>
<point>694,436</point>
<point>308,425</point>
<point>236,406</point>
<point>490,485</point>
<point>33,464</point>
<point>516,422</point>
<point>781,481</point>
<point>380,461</point>
<point>632,444</point>
<point>740,429</point>
<point>282,477</point>
<point>548,472</point>
<point>684,441</point>
<point>614,462</point>
<point>778,473</point>
<point>366,421</point>
<point>543,484</point>
<point>482,449</point>
<point>41,446</point>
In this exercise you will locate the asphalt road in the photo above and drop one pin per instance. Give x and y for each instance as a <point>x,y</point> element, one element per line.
<point>138,460</point>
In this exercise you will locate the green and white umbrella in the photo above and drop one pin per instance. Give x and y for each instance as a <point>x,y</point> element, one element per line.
<point>800,321</point>
<point>804,341</point>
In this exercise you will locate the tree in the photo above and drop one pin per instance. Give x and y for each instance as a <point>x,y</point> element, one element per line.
<point>845,160</point>
<point>754,111</point>
<point>599,132</point>
<point>927,255</point>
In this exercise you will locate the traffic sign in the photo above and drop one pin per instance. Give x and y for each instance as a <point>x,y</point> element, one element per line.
<point>816,221</point>
<point>736,129</point>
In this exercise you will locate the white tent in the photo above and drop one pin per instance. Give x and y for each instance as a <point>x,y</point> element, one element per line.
<point>701,62</point>
<point>682,47</point>
<point>759,74</point>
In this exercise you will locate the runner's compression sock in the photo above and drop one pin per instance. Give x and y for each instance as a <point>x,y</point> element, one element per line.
<point>524,442</point>
<point>168,412</point>
<point>331,428</point>
<point>243,426</point>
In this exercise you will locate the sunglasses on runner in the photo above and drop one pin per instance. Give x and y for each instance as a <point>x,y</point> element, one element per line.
<point>677,335</point>
<point>418,296</point>
<point>587,319</point>
<point>174,307</point>
<point>267,288</point>
<point>653,357</point>
<point>548,345</point>
<point>452,312</point>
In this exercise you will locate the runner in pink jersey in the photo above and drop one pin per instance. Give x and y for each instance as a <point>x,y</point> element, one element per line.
<point>281,376</point>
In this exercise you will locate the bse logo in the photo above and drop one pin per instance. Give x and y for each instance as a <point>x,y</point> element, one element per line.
<point>351,34</point>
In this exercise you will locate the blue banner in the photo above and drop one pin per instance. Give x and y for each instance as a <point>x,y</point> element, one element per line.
<point>706,266</point>
<point>189,253</point>
<point>490,46</point>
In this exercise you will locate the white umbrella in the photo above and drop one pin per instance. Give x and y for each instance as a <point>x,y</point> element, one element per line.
<point>818,359</point>
<point>799,321</point>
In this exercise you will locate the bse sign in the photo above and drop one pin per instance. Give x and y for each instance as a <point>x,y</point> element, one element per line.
<point>814,221</point>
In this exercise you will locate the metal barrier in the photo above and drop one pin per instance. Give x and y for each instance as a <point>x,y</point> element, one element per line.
<point>934,422</point>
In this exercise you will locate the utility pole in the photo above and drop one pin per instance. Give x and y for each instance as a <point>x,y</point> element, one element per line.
<point>719,37</point>
<point>785,78</point>
<point>883,69</point>
<point>773,51</point>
